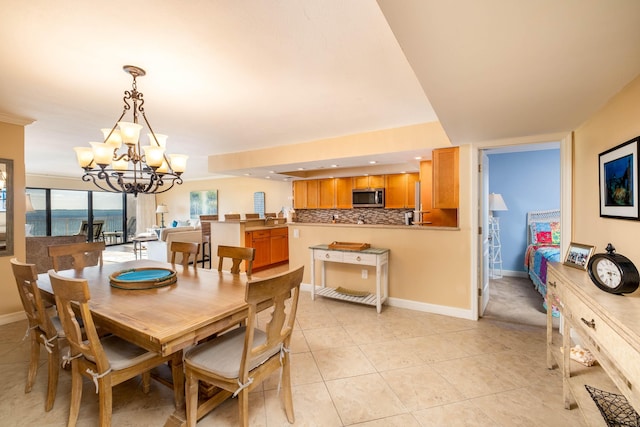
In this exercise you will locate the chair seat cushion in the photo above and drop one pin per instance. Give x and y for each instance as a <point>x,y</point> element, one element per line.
<point>55,320</point>
<point>222,355</point>
<point>123,354</point>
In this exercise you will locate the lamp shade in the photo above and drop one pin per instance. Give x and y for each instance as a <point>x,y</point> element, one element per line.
<point>162,209</point>
<point>496,203</point>
<point>29,205</point>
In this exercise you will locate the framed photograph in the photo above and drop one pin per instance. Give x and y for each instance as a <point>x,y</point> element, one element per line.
<point>619,181</point>
<point>578,255</point>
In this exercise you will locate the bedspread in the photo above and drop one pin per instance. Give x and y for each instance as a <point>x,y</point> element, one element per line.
<point>536,259</point>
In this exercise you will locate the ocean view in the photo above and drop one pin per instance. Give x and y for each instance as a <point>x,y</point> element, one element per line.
<point>67,222</point>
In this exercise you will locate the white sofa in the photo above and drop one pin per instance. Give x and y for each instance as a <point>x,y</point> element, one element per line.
<point>160,250</point>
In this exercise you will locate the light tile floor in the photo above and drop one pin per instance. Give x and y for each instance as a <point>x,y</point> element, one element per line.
<point>350,366</point>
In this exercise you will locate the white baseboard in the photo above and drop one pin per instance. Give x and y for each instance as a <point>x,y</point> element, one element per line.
<point>418,306</point>
<point>5,319</point>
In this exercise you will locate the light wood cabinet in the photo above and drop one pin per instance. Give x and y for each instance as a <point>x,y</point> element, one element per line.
<point>271,245</point>
<point>400,190</point>
<point>371,181</point>
<point>326,193</point>
<point>344,187</point>
<point>305,194</point>
<point>279,245</point>
<point>446,181</point>
<point>430,215</point>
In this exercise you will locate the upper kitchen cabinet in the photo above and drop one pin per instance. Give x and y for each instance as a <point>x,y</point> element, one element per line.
<point>401,190</point>
<point>344,186</point>
<point>326,193</point>
<point>446,181</point>
<point>305,194</point>
<point>371,181</point>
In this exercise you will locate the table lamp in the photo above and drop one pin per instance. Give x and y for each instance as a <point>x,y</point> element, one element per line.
<point>162,209</point>
<point>496,203</point>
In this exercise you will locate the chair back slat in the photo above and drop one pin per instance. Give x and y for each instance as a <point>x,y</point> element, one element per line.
<point>237,254</point>
<point>186,249</point>
<point>272,291</point>
<point>27,282</point>
<point>83,254</point>
<point>69,292</point>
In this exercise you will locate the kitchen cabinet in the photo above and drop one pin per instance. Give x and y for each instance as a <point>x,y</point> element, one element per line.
<point>370,181</point>
<point>400,190</point>
<point>271,245</point>
<point>326,193</point>
<point>429,215</point>
<point>344,186</point>
<point>279,245</point>
<point>305,194</point>
<point>446,180</point>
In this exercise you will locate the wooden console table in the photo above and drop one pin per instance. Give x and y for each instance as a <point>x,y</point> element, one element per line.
<point>377,257</point>
<point>608,325</point>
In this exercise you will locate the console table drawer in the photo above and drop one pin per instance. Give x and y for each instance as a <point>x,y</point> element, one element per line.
<point>356,258</point>
<point>335,256</point>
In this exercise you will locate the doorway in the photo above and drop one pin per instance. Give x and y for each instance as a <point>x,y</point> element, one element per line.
<point>529,177</point>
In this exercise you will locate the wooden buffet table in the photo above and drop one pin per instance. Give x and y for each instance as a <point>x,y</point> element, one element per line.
<point>608,325</point>
<point>168,319</point>
<point>377,257</point>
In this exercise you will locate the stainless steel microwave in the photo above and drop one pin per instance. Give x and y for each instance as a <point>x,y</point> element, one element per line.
<point>369,198</point>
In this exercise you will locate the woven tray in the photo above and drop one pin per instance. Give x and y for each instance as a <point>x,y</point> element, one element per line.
<point>349,246</point>
<point>143,278</point>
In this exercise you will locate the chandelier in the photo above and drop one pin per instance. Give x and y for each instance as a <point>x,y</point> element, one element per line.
<point>137,169</point>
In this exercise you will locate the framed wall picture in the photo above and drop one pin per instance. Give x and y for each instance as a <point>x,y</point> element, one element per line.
<point>203,203</point>
<point>578,255</point>
<point>619,181</point>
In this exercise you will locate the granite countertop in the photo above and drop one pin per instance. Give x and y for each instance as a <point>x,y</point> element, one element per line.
<point>365,225</point>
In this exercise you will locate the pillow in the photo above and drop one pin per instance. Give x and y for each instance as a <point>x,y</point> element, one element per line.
<point>174,223</point>
<point>545,233</point>
<point>183,223</point>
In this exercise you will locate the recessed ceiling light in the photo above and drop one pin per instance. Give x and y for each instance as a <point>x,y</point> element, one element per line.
<point>373,162</point>
<point>267,177</point>
<point>272,171</point>
<point>418,158</point>
<point>334,166</point>
<point>300,169</point>
<point>247,174</point>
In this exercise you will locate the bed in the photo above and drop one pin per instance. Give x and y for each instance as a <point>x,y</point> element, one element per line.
<point>543,246</point>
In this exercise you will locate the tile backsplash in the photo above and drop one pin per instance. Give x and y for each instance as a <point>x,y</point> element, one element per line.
<point>352,216</point>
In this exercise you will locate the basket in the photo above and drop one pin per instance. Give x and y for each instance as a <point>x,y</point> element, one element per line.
<point>615,409</point>
<point>143,278</point>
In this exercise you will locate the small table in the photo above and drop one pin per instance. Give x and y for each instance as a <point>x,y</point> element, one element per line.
<point>112,237</point>
<point>137,243</point>
<point>378,257</point>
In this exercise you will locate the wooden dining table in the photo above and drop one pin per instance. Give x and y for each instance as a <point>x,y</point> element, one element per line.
<point>166,319</point>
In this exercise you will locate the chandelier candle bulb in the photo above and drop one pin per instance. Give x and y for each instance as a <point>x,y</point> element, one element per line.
<point>112,138</point>
<point>130,132</point>
<point>120,165</point>
<point>84,156</point>
<point>178,162</point>
<point>159,138</point>
<point>102,153</point>
<point>154,155</point>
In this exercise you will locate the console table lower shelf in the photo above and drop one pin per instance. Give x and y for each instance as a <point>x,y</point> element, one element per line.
<point>377,257</point>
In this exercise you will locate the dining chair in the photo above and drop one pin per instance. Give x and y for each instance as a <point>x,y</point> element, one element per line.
<point>186,249</point>
<point>43,329</point>
<point>106,361</point>
<point>239,360</point>
<point>237,255</point>
<point>82,254</point>
<point>232,217</point>
<point>251,215</point>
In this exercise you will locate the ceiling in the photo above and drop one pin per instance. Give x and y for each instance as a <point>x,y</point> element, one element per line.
<point>230,76</point>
